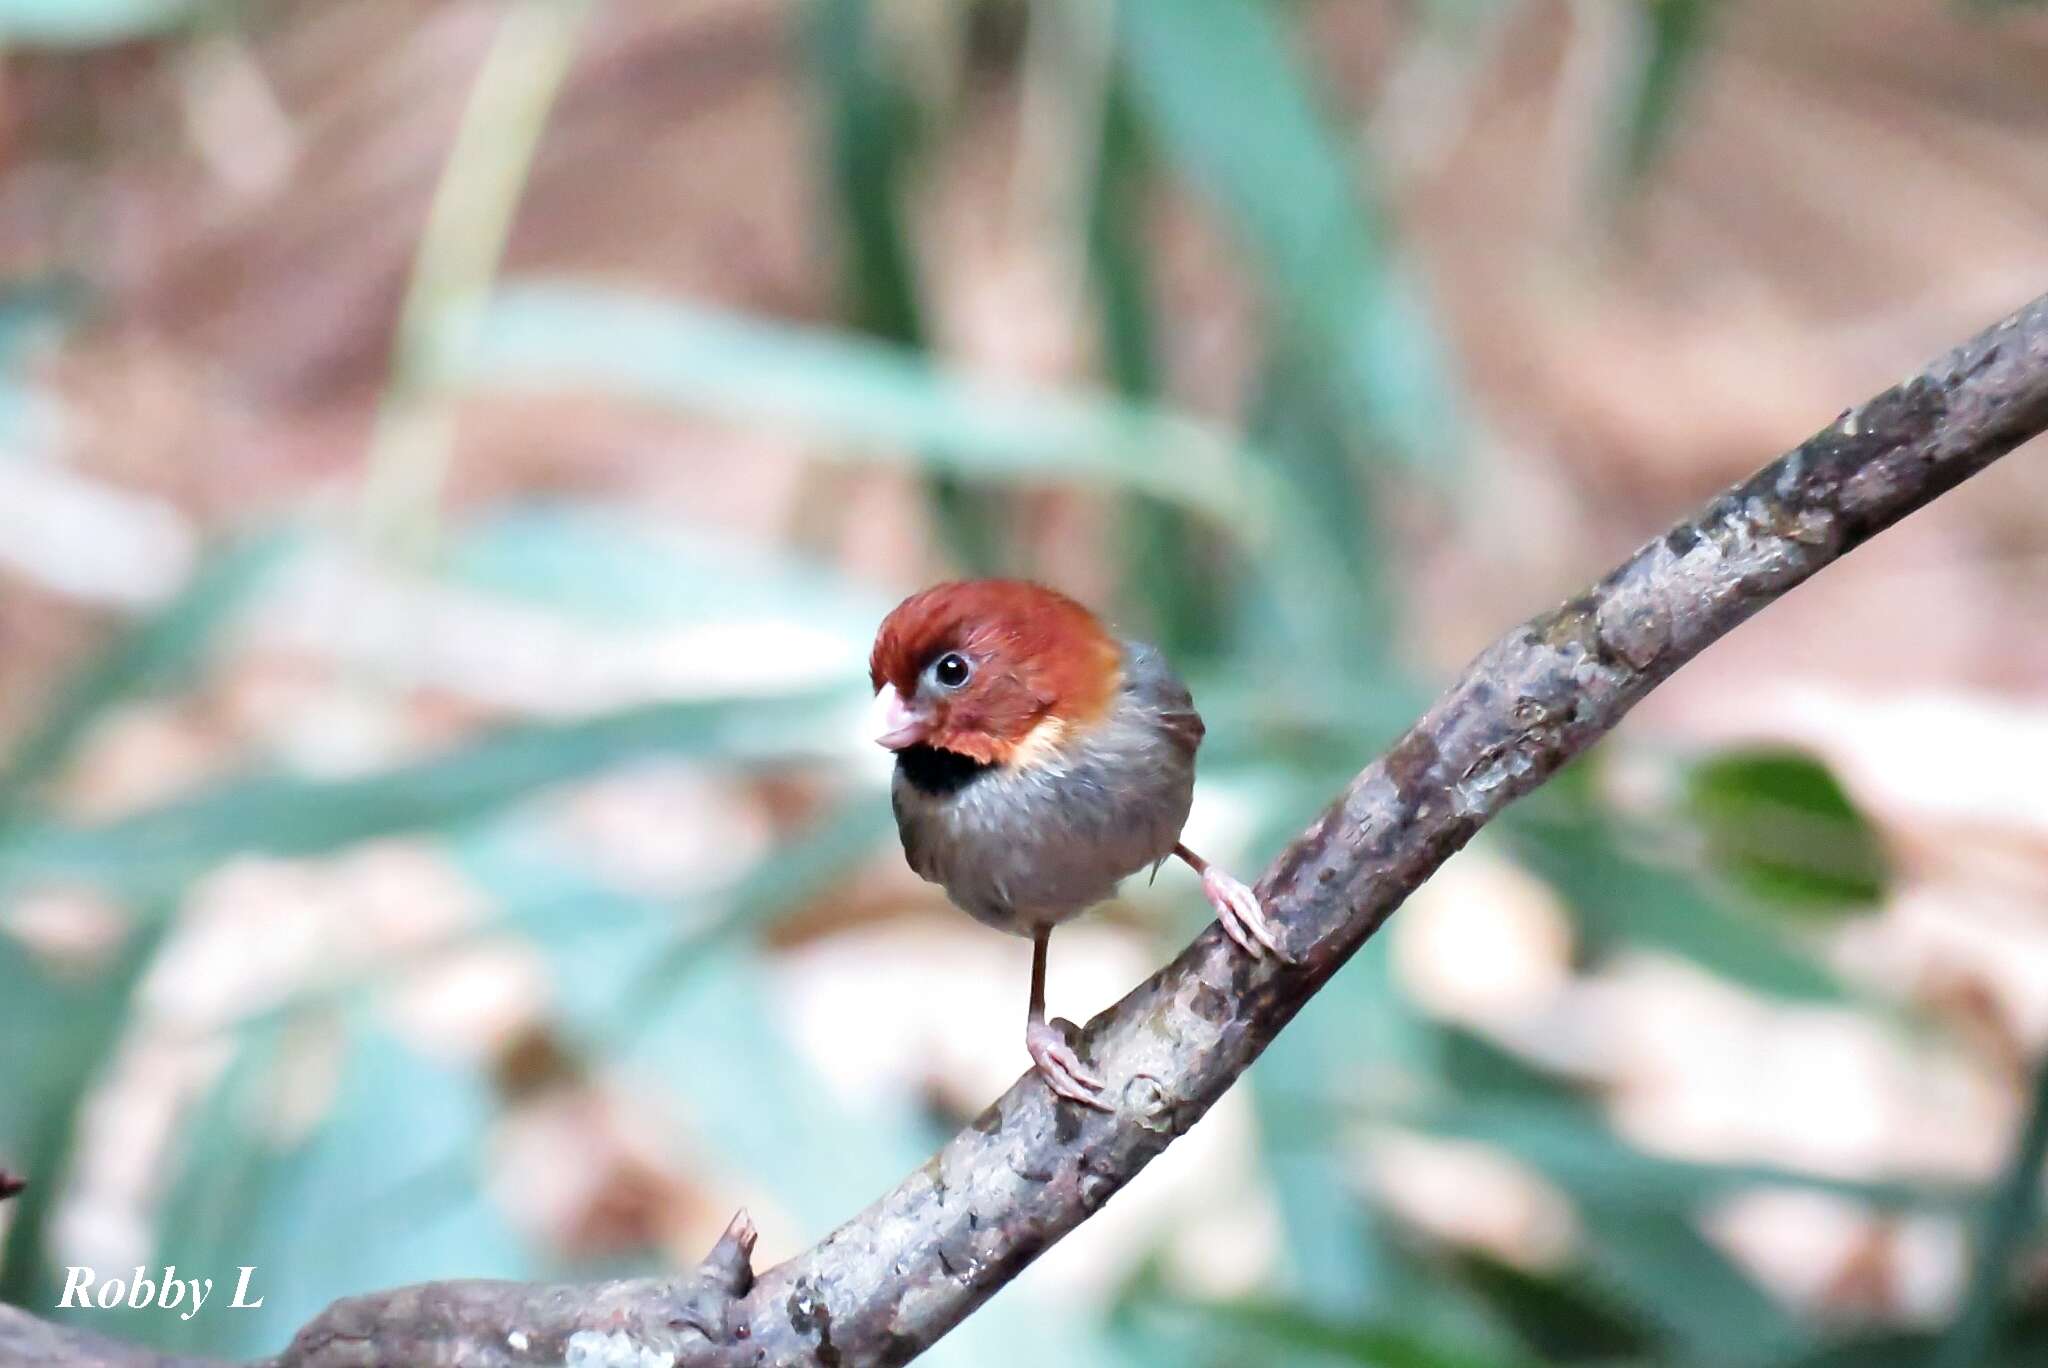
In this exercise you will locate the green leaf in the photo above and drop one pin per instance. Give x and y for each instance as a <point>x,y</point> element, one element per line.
<point>1779,826</point>
<point>860,396</point>
<point>1234,110</point>
<point>89,23</point>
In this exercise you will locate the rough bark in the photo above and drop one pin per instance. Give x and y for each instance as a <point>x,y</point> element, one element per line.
<point>891,1281</point>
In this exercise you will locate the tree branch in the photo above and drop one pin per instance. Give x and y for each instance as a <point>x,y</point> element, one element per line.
<point>891,1281</point>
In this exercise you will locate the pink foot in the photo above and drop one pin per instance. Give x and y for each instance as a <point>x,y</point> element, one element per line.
<point>1061,1068</point>
<point>1237,907</point>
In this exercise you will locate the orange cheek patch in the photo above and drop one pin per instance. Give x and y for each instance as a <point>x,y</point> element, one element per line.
<point>1040,744</point>
<point>974,744</point>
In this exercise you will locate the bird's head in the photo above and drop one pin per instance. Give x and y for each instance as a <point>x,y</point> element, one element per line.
<point>1002,672</point>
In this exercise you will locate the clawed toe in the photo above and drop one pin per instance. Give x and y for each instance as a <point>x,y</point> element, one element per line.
<point>1061,1068</point>
<point>1244,921</point>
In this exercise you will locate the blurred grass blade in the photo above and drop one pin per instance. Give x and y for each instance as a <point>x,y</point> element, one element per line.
<point>1336,1241</point>
<point>223,1170</point>
<point>1117,252</point>
<point>1342,1259</point>
<point>1269,1332</point>
<point>867,128</point>
<point>60,1032</point>
<point>89,23</point>
<point>460,251</point>
<point>2023,1344</point>
<point>1352,620</point>
<point>2009,1216</point>
<point>749,1098</point>
<point>612,988</point>
<point>390,1175</point>
<point>1171,563</point>
<point>1618,898</point>
<point>158,652</point>
<point>645,570</point>
<point>753,1098</point>
<point>1671,38</point>
<point>803,868</point>
<point>878,399</point>
<point>701,1034</point>
<point>1710,1310</point>
<point>1557,1313</point>
<point>1574,1146</point>
<point>286,815</point>
<point>867,138</point>
<point>1235,111</point>
<point>36,312</point>
<point>1642,1250</point>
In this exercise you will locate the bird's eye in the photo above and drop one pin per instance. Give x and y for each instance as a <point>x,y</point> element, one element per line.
<point>951,670</point>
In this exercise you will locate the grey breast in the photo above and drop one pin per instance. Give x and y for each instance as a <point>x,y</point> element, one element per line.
<point>1026,847</point>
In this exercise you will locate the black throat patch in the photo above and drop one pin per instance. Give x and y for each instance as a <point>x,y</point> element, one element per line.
<point>938,772</point>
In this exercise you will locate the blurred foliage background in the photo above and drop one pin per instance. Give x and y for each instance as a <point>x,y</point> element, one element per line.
<point>453,455</point>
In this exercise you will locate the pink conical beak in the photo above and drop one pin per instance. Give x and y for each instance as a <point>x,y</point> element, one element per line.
<point>894,723</point>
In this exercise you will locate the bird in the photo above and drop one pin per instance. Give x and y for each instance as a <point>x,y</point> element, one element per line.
<point>1039,761</point>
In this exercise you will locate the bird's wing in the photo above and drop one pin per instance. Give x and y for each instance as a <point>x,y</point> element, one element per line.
<point>1151,682</point>
<point>911,832</point>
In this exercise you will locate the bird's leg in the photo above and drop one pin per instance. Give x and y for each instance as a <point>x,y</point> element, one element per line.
<point>1237,907</point>
<point>1057,1063</point>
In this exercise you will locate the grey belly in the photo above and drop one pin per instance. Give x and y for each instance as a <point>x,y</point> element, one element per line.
<point>1019,851</point>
